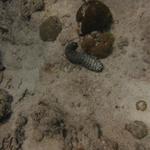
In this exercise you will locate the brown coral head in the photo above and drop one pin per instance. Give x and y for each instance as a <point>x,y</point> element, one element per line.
<point>94,16</point>
<point>99,45</point>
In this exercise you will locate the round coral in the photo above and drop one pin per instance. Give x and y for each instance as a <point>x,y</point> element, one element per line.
<point>98,44</point>
<point>94,16</point>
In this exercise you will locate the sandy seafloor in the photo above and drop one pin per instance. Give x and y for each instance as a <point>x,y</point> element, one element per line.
<point>109,98</point>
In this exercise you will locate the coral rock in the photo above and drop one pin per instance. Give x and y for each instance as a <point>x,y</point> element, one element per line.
<point>99,46</point>
<point>141,105</point>
<point>50,29</point>
<point>94,16</point>
<point>137,128</point>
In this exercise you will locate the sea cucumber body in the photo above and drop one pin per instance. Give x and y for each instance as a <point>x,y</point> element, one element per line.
<point>83,59</point>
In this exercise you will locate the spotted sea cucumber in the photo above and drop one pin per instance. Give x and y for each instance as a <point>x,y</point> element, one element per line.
<point>81,58</point>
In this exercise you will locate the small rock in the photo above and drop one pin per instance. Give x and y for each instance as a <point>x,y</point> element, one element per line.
<point>50,29</point>
<point>141,105</point>
<point>137,128</point>
<point>5,104</point>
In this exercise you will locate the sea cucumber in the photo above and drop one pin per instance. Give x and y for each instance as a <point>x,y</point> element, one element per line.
<point>81,58</point>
